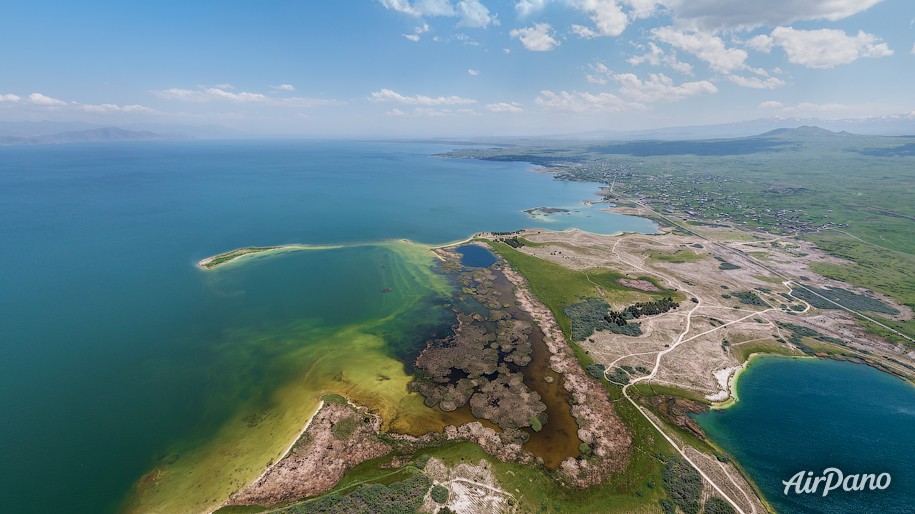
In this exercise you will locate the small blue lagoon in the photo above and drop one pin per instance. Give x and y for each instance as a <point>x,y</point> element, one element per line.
<point>476,256</point>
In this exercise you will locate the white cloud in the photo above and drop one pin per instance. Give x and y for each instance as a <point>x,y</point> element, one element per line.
<point>642,8</point>
<point>207,94</point>
<point>397,113</point>
<point>913,49</point>
<point>45,101</point>
<point>608,17</point>
<point>175,93</point>
<point>577,101</point>
<point>475,15</point>
<point>387,95</point>
<point>472,72</point>
<point>728,14</point>
<point>756,82</point>
<point>761,43</point>
<point>584,32</point>
<point>827,110</point>
<point>528,7</point>
<point>771,104</point>
<point>465,39</point>
<point>415,36</point>
<point>41,100</point>
<point>538,38</point>
<point>660,88</point>
<point>656,56</point>
<point>472,13</point>
<point>657,88</point>
<point>429,112</point>
<point>505,107</point>
<point>284,87</point>
<point>421,7</point>
<point>826,48</point>
<point>705,46</point>
<point>111,107</point>
<point>243,97</point>
<point>601,74</point>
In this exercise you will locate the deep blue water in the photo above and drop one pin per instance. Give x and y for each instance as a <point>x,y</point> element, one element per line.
<point>476,256</point>
<point>809,415</point>
<point>114,347</point>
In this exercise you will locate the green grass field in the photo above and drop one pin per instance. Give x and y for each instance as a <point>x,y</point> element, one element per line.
<point>680,256</point>
<point>558,287</point>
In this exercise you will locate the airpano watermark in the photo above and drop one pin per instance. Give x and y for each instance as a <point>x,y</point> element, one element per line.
<point>832,479</point>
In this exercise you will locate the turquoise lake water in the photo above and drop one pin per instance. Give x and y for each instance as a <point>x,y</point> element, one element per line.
<point>118,354</point>
<point>796,415</point>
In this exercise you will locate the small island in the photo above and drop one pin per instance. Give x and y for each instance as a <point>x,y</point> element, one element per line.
<point>545,210</point>
<point>227,257</point>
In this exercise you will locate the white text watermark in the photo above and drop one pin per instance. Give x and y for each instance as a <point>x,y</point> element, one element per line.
<point>832,479</point>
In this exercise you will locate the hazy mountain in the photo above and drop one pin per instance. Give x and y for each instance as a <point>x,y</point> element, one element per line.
<point>890,125</point>
<point>84,136</point>
<point>48,128</point>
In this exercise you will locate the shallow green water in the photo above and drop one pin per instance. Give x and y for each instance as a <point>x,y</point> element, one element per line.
<point>808,415</point>
<point>119,359</point>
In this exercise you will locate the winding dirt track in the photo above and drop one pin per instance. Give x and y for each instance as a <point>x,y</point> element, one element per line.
<point>677,342</point>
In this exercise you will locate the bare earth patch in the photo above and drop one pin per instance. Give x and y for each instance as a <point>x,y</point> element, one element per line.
<point>338,437</point>
<point>472,489</point>
<point>642,285</point>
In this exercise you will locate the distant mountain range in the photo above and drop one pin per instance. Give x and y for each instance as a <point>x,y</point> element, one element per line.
<point>890,125</point>
<point>83,136</point>
<point>53,132</point>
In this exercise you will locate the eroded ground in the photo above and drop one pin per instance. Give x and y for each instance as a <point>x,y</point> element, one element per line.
<point>733,306</point>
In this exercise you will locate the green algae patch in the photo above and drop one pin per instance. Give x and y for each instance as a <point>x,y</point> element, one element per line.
<point>268,379</point>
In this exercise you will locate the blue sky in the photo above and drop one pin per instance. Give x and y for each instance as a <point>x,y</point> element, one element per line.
<point>453,67</point>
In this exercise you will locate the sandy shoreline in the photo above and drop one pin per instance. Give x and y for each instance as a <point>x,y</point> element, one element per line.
<point>734,378</point>
<point>283,456</point>
<point>250,251</point>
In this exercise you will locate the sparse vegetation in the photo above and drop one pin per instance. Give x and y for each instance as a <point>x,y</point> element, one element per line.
<point>725,265</point>
<point>678,257</point>
<point>334,398</point>
<point>344,428</point>
<point>852,300</point>
<point>619,377</point>
<point>593,314</point>
<point>223,258</point>
<point>596,370</point>
<point>715,505</point>
<point>683,484</point>
<point>399,497</point>
<point>750,298</point>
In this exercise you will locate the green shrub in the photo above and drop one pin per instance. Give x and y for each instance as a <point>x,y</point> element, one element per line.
<point>717,506</point>
<point>596,370</point>
<point>683,484</point>
<point>344,428</point>
<point>439,493</point>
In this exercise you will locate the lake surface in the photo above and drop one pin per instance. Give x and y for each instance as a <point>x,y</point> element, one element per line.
<point>796,415</point>
<point>131,380</point>
<point>476,256</point>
